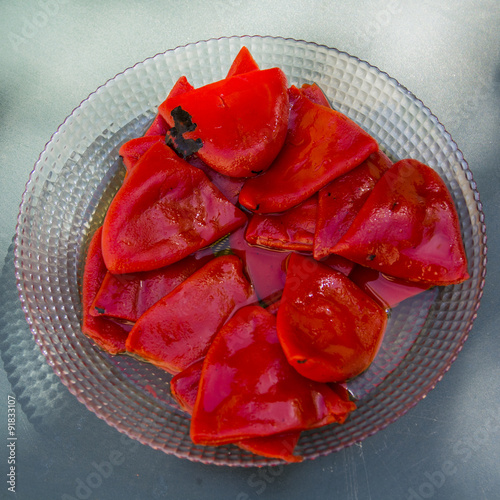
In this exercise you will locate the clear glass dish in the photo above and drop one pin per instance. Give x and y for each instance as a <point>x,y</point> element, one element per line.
<point>79,171</point>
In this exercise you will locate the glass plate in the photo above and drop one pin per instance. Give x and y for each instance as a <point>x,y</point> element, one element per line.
<point>79,171</point>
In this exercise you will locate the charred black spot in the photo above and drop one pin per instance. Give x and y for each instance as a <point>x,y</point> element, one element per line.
<point>301,361</point>
<point>371,256</point>
<point>100,310</point>
<point>257,172</point>
<point>174,138</point>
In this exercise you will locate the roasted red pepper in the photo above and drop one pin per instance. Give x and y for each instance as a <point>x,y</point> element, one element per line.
<point>290,230</point>
<point>295,228</point>
<point>108,334</point>
<point>313,92</point>
<point>240,122</point>
<point>165,210</point>
<point>408,228</point>
<point>128,296</point>
<point>248,389</point>
<point>230,187</point>
<point>340,264</point>
<point>275,446</point>
<point>159,125</point>
<point>184,385</point>
<point>330,330</point>
<point>251,376</point>
<point>184,388</point>
<point>242,63</point>
<point>321,145</point>
<point>340,201</point>
<point>133,150</point>
<point>179,328</point>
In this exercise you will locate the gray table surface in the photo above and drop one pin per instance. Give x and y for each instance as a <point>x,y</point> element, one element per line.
<point>53,53</point>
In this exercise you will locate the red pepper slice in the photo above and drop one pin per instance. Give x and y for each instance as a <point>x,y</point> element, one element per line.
<point>386,290</point>
<point>128,296</point>
<point>133,150</point>
<point>248,389</point>
<point>295,228</point>
<point>164,210</point>
<point>340,264</point>
<point>341,200</point>
<point>159,125</point>
<point>230,187</point>
<point>108,334</point>
<point>242,63</point>
<point>241,121</point>
<point>330,330</point>
<point>290,230</point>
<point>184,388</point>
<point>408,228</point>
<point>184,385</point>
<point>321,145</point>
<point>275,446</point>
<point>314,93</point>
<point>179,328</point>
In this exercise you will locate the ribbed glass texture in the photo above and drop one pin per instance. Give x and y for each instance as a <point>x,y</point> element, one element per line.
<point>79,171</point>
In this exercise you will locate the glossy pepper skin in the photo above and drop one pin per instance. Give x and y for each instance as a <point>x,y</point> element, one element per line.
<point>290,230</point>
<point>184,388</point>
<point>408,228</point>
<point>241,121</point>
<point>179,328</point>
<point>108,334</point>
<point>230,187</point>
<point>314,93</point>
<point>133,150</point>
<point>165,210</point>
<point>330,330</point>
<point>184,385</point>
<point>159,126</point>
<point>242,63</point>
<point>321,145</point>
<point>248,389</point>
<point>340,201</point>
<point>128,296</point>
